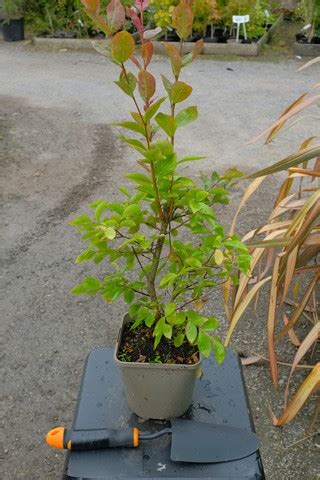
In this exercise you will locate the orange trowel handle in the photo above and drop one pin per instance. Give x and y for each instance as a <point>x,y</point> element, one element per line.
<point>92,439</point>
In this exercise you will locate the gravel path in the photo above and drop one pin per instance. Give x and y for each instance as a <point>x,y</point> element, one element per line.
<point>58,152</point>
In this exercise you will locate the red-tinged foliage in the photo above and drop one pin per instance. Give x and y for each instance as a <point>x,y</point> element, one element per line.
<point>92,6</point>
<point>175,58</point>
<point>146,53</point>
<point>135,20</point>
<point>182,19</point>
<point>116,15</point>
<point>146,85</point>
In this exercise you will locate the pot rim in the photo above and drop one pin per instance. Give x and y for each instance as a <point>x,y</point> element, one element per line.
<point>173,366</point>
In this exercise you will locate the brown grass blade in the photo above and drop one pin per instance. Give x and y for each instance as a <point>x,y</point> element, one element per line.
<point>311,383</point>
<point>288,162</point>
<point>243,305</point>
<point>284,190</point>
<point>272,321</point>
<point>277,129</point>
<point>300,308</point>
<point>256,256</point>
<point>308,64</point>
<point>303,103</point>
<point>292,336</point>
<point>266,228</point>
<point>289,271</point>
<point>304,172</point>
<point>247,194</point>
<point>251,360</point>
<point>311,338</point>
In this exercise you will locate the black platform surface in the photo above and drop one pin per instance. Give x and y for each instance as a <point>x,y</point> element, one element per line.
<point>219,397</point>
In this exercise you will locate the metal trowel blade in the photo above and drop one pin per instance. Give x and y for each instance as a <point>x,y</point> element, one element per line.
<point>206,443</point>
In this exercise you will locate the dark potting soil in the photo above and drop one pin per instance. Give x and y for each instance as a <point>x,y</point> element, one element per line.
<point>137,346</point>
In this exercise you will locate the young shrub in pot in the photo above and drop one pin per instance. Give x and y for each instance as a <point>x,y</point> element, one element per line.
<point>166,228</point>
<point>13,27</point>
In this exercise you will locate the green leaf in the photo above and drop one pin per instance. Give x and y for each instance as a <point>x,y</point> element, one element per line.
<point>82,220</point>
<point>108,232</point>
<point>186,116</point>
<point>122,46</point>
<point>204,343</point>
<point>195,318</point>
<point>167,330</point>
<point>139,178</point>
<point>86,255</point>
<point>133,126</point>
<point>219,349</point>
<point>169,309</point>
<point>134,143</point>
<point>127,83</point>
<point>167,123</point>
<point>168,278</point>
<point>211,324</point>
<point>191,158</point>
<point>191,332</point>
<point>149,318</point>
<point>131,211</point>
<point>178,340</point>
<point>152,110</point>
<point>180,318</point>
<point>167,84</point>
<point>89,285</point>
<point>128,296</point>
<point>180,92</point>
<point>193,262</point>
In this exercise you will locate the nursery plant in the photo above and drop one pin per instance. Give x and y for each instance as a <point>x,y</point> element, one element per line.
<point>163,241</point>
<point>285,253</point>
<point>260,12</point>
<point>205,12</point>
<point>309,12</point>
<point>13,9</point>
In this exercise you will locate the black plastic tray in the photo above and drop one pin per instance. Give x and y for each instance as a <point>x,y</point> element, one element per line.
<point>220,397</point>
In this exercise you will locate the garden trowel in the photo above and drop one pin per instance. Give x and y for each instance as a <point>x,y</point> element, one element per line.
<point>190,441</point>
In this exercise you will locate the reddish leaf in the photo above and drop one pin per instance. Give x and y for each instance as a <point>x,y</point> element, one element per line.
<point>198,47</point>
<point>135,20</point>
<point>122,47</point>
<point>141,5</point>
<point>146,84</point>
<point>92,6</point>
<point>136,62</point>
<point>146,53</point>
<point>116,15</point>
<point>175,58</point>
<point>182,19</point>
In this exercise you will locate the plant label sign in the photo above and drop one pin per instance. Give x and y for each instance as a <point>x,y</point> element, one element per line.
<point>238,19</point>
<point>241,20</point>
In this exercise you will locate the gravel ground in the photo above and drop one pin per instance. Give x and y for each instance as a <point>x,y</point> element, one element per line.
<point>58,152</point>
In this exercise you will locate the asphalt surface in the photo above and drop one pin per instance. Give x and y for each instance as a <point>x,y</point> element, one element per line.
<point>58,151</point>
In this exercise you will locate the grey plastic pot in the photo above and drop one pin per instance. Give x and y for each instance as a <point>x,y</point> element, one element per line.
<point>156,390</point>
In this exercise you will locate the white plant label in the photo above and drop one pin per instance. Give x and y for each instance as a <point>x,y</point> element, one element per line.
<point>306,27</point>
<point>238,19</point>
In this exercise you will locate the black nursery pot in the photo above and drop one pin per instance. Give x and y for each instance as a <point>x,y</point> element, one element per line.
<point>316,40</point>
<point>13,30</point>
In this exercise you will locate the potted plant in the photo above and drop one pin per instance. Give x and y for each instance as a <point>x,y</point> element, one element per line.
<point>309,12</point>
<point>13,27</point>
<point>166,228</point>
<point>205,12</point>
